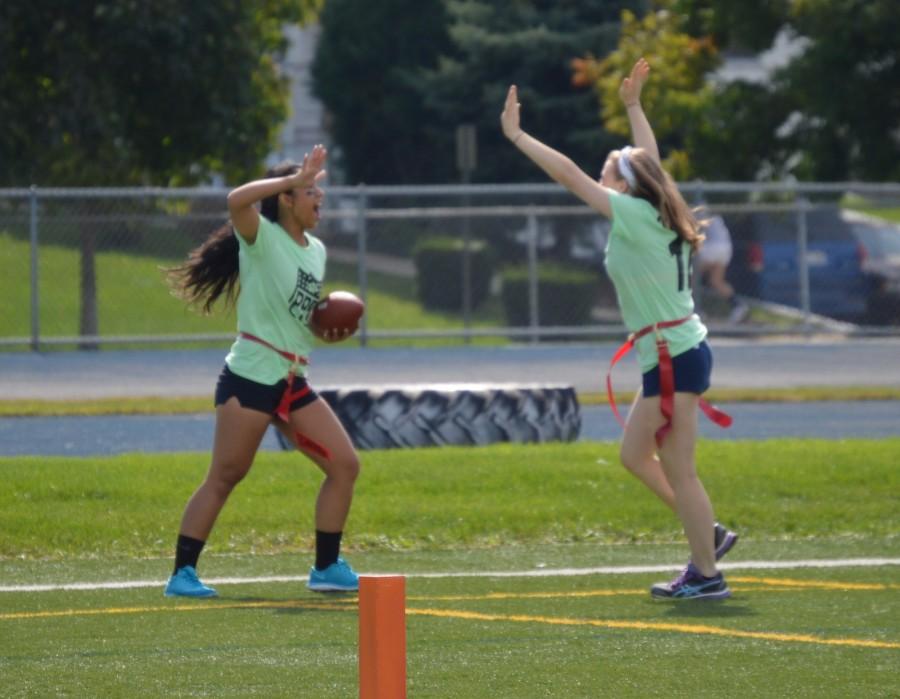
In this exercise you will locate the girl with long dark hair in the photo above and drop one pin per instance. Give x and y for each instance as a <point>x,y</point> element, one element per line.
<point>272,268</point>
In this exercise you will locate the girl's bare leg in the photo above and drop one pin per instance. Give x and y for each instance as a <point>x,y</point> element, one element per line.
<point>239,432</point>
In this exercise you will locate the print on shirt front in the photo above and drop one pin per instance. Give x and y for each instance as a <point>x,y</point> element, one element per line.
<point>280,282</point>
<point>305,296</point>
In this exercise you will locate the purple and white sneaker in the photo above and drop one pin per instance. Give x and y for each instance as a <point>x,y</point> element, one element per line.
<point>725,539</point>
<point>690,584</point>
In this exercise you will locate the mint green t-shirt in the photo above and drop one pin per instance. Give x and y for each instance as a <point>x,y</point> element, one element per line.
<point>650,267</point>
<point>280,285</point>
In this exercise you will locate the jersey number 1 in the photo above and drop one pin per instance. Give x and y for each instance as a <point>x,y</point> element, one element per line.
<point>676,249</point>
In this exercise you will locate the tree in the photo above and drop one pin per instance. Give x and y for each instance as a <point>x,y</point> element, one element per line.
<point>366,59</point>
<point>676,96</point>
<point>749,26</point>
<point>845,90</point>
<point>399,76</point>
<point>530,43</point>
<point>832,112</point>
<point>122,92</point>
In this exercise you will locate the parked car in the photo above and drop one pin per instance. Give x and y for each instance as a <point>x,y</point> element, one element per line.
<point>579,238</point>
<point>881,262</point>
<point>853,262</point>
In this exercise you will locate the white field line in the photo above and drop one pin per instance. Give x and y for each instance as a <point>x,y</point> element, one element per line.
<point>535,573</point>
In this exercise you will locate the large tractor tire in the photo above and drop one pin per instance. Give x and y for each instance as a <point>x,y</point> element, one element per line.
<point>455,414</point>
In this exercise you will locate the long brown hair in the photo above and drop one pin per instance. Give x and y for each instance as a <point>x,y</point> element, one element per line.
<point>656,186</point>
<point>212,269</point>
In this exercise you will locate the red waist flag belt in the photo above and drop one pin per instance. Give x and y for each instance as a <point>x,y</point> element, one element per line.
<point>666,380</point>
<point>290,395</point>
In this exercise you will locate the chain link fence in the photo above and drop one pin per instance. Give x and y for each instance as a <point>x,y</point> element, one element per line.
<point>440,264</point>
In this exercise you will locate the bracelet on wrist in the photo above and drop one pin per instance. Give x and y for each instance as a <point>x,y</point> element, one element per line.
<point>518,136</point>
<point>629,105</point>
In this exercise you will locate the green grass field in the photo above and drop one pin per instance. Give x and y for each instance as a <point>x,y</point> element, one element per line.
<point>134,298</point>
<point>445,517</point>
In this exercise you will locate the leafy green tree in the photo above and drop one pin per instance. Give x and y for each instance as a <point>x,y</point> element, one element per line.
<point>746,25</point>
<point>675,97</point>
<point>121,92</point>
<point>845,89</point>
<point>364,72</point>
<point>530,43</point>
<point>399,76</point>
<point>832,112</point>
<point>705,130</point>
<point>125,92</point>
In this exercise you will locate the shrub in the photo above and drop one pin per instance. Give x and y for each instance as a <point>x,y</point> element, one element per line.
<point>439,272</point>
<point>565,295</point>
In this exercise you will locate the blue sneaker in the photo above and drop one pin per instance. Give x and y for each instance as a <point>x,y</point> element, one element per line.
<point>337,576</point>
<point>185,583</point>
<point>690,584</point>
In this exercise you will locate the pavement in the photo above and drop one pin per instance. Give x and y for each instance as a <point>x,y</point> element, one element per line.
<point>116,434</point>
<point>193,372</point>
<point>738,364</point>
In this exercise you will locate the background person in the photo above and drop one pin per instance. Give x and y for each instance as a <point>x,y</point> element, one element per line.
<point>275,269</point>
<point>648,259</point>
<point>712,261</point>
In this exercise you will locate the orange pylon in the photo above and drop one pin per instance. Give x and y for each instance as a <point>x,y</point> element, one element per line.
<point>382,637</point>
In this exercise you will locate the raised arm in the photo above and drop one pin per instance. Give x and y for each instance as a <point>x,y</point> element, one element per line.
<point>630,92</point>
<point>244,216</point>
<point>558,166</point>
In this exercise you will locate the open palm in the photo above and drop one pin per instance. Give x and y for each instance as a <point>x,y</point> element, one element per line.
<point>509,119</point>
<point>630,89</point>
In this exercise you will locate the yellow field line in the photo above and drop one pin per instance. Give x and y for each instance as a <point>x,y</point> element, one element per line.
<point>348,604</point>
<point>198,606</point>
<point>524,595</point>
<point>814,584</point>
<point>656,626</point>
<point>774,585</point>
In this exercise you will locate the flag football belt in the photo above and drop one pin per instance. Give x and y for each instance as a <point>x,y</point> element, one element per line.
<point>290,395</point>
<point>666,379</point>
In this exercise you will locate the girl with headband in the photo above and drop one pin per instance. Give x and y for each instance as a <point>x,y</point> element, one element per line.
<point>648,258</point>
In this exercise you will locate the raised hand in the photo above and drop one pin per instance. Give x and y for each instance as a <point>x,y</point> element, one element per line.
<point>311,170</point>
<point>509,119</point>
<point>630,89</point>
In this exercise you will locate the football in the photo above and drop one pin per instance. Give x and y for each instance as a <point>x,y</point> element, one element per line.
<point>338,310</point>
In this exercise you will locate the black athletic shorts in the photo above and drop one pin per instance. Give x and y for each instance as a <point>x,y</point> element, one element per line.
<point>692,371</point>
<point>259,396</point>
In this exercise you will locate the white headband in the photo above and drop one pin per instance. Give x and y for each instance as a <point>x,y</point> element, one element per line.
<point>625,168</point>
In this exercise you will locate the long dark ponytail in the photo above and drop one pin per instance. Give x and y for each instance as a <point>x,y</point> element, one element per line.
<point>211,269</point>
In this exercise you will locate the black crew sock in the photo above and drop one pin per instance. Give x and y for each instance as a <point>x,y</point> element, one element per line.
<point>328,547</point>
<point>187,551</point>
